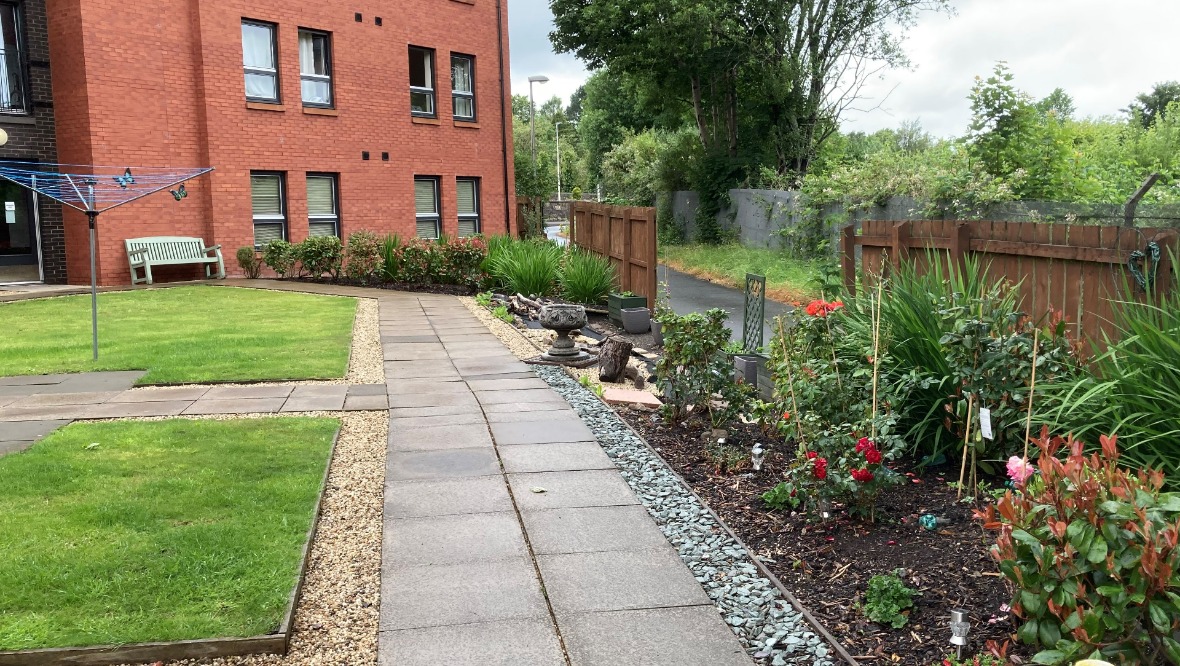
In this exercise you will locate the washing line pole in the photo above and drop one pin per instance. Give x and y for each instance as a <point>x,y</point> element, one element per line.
<point>92,218</point>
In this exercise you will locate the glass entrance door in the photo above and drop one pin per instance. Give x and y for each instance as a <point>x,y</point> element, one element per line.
<point>18,235</point>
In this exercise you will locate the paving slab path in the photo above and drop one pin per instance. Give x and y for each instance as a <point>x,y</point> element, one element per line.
<point>509,535</point>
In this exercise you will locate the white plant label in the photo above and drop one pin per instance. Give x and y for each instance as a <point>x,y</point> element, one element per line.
<point>985,422</point>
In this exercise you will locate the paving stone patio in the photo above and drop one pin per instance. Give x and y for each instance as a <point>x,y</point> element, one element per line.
<point>509,536</point>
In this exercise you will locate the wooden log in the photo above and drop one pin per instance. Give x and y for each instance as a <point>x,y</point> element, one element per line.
<point>612,359</point>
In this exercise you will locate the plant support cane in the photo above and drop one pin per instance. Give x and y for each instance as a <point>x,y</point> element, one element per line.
<point>791,383</point>
<point>1032,386</point>
<point>877,351</point>
<point>966,444</point>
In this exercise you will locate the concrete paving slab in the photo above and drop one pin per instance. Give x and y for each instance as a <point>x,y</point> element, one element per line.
<point>54,399</point>
<point>419,499</point>
<point>511,375</point>
<point>691,636</point>
<point>240,406</point>
<point>431,354</point>
<point>480,367</point>
<point>325,390</point>
<point>472,592</point>
<point>29,430</point>
<point>437,370</point>
<point>454,463</point>
<point>87,382</point>
<point>315,403</point>
<point>506,384</point>
<point>559,405</point>
<point>161,393</point>
<point>409,339</point>
<point>437,540</point>
<point>54,413</point>
<point>619,580</point>
<point>440,399</point>
<point>368,389</point>
<point>33,380</point>
<point>508,643</point>
<point>592,529</point>
<point>128,410</point>
<point>571,489</point>
<point>466,417</point>
<point>419,386</point>
<point>404,436</point>
<point>541,432</point>
<point>436,410</point>
<point>247,392</point>
<point>526,395</point>
<point>556,414</point>
<point>370,403</point>
<point>554,457</point>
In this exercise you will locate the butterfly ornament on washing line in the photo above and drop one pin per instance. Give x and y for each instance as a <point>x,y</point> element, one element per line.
<point>126,179</point>
<point>179,193</point>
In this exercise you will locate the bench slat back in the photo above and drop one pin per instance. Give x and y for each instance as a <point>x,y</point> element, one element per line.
<point>168,248</point>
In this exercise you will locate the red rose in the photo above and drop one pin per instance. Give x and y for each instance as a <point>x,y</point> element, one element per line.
<point>862,444</point>
<point>815,308</point>
<point>872,456</point>
<point>862,475</point>
<point>821,468</point>
<point>786,416</point>
<point>811,455</point>
<point>834,305</point>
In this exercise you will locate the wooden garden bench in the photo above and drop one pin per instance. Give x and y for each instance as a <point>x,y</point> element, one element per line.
<point>170,251</point>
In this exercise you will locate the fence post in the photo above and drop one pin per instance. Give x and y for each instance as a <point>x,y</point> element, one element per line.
<point>960,246</point>
<point>653,264</point>
<point>848,258</point>
<point>900,244</point>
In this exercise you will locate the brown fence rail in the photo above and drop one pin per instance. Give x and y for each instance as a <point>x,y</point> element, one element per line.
<point>625,236</point>
<point>1073,269</point>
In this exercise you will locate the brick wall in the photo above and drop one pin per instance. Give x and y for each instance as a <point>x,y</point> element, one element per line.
<point>33,137</point>
<point>165,88</point>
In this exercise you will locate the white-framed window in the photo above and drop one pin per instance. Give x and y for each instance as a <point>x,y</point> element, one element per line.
<point>323,205</point>
<point>467,204</point>
<point>426,206</point>
<point>12,68</point>
<point>269,204</point>
<point>422,82</point>
<point>463,86</point>
<point>315,68</point>
<point>260,59</point>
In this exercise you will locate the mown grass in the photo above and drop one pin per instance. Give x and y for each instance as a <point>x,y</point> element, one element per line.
<point>125,532</point>
<point>787,279</point>
<point>182,335</point>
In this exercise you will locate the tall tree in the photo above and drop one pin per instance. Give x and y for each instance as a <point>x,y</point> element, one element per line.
<point>1149,106</point>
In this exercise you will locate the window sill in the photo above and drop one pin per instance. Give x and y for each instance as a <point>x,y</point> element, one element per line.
<point>464,2</point>
<point>265,106</point>
<point>318,111</point>
<point>14,119</point>
<point>419,120</point>
<point>467,123</point>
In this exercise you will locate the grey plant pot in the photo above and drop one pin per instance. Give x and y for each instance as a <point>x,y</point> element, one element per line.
<point>636,320</point>
<point>745,366</point>
<point>657,334</point>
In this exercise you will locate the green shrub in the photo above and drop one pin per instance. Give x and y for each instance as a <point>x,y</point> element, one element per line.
<point>1091,551</point>
<point>319,255</point>
<point>279,256</point>
<point>886,598</point>
<point>527,267</point>
<point>585,277</point>
<point>1135,389</point>
<point>362,258</point>
<point>419,262</point>
<point>695,373</point>
<point>461,260</point>
<point>249,262</point>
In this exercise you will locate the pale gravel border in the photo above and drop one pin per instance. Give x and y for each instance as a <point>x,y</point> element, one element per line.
<point>336,618</point>
<point>366,362</point>
<point>530,342</point>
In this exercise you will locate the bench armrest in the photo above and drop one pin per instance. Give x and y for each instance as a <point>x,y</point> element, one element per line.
<point>132,253</point>
<point>212,248</point>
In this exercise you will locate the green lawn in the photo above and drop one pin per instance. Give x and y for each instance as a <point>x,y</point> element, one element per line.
<point>182,335</point>
<point>125,532</point>
<point>787,279</point>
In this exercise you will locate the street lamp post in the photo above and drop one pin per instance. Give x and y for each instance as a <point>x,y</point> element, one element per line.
<point>532,120</point>
<point>557,128</point>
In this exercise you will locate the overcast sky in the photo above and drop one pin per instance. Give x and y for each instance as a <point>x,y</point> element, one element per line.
<point>1102,52</point>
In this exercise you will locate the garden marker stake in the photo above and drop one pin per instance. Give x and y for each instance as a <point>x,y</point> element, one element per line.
<point>877,349</point>
<point>966,443</point>
<point>1032,386</point>
<point>782,336</point>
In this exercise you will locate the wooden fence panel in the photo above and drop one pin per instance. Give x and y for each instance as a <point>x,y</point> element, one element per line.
<point>624,236</point>
<point>1073,270</point>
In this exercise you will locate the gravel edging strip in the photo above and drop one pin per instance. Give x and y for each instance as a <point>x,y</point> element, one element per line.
<point>769,622</point>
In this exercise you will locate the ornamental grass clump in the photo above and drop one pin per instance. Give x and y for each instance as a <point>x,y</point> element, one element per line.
<point>526,267</point>
<point>1091,551</point>
<point>585,277</point>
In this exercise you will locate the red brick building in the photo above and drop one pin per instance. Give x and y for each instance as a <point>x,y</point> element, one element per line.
<point>319,117</point>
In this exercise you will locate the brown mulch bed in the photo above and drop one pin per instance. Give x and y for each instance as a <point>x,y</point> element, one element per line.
<point>447,289</point>
<point>828,565</point>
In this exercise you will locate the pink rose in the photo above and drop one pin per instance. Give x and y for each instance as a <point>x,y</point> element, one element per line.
<point>1019,470</point>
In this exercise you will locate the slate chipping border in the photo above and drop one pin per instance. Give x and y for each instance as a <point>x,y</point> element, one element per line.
<point>105,655</point>
<point>567,387</point>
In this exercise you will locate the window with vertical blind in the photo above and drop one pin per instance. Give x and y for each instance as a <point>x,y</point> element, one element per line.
<point>12,68</point>
<point>315,68</point>
<point>463,86</point>
<point>323,209</point>
<point>260,61</point>
<point>467,204</point>
<point>426,206</point>
<point>422,82</point>
<point>269,205</point>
